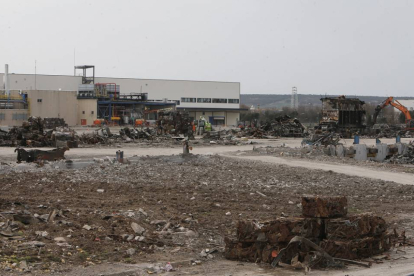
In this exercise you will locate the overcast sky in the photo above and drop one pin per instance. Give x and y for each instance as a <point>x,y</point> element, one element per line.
<point>337,47</point>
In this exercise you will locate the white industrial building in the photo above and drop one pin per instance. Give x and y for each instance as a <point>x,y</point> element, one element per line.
<point>218,102</point>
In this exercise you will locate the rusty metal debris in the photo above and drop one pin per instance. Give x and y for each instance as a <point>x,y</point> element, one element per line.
<point>40,155</point>
<point>282,126</point>
<point>51,123</point>
<point>174,123</point>
<point>325,237</point>
<point>34,133</point>
<point>136,133</point>
<point>324,207</point>
<point>325,139</point>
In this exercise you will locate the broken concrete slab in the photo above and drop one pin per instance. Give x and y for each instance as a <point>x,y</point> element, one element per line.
<point>138,229</point>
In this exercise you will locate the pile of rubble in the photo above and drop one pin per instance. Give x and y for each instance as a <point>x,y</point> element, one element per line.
<point>174,123</point>
<point>52,123</point>
<point>105,136</point>
<point>406,158</point>
<point>324,237</point>
<point>33,133</point>
<point>225,137</point>
<point>283,126</point>
<point>323,139</point>
<point>135,133</point>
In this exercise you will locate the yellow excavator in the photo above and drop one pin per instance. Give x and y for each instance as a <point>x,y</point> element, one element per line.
<point>390,101</point>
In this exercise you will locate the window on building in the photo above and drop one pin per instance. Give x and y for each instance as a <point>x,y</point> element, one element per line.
<point>219,100</point>
<point>204,113</point>
<point>177,102</point>
<point>2,116</point>
<point>234,101</point>
<point>92,112</point>
<point>19,116</point>
<point>83,112</point>
<point>204,100</point>
<point>188,100</point>
<point>39,100</point>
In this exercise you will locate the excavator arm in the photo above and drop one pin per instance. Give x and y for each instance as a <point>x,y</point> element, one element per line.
<point>397,105</point>
<point>403,109</point>
<point>380,107</point>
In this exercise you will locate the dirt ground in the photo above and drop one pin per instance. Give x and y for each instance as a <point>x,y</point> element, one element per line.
<point>181,205</point>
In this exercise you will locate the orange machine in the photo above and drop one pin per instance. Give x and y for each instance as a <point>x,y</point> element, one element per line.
<point>139,122</point>
<point>390,101</point>
<point>99,122</point>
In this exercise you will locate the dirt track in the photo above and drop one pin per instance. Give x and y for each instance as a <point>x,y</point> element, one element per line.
<point>400,178</point>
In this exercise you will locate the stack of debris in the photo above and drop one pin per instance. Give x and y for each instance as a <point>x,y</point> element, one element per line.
<point>174,123</point>
<point>29,134</point>
<point>406,158</point>
<point>99,136</point>
<point>52,123</point>
<point>282,126</point>
<point>135,133</point>
<point>324,139</point>
<point>387,131</point>
<point>65,137</point>
<point>322,237</point>
<point>32,133</point>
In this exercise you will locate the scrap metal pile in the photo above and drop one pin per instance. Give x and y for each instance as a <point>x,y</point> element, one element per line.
<point>174,123</point>
<point>324,237</point>
<point>51,123</point>
<point>387,131</point>
<point>324,139</point>
<point>105,136</point>
<point>283,126</point>
<point>33,133</point>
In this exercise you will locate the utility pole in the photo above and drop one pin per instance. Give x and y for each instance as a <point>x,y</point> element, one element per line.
<point>294,102</point>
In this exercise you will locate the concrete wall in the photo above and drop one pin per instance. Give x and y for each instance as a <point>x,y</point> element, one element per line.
<point>156,89</point>
<point>13,117</point>
<point>87,110</point>
<point>54,104</point>
<point>232,118</point>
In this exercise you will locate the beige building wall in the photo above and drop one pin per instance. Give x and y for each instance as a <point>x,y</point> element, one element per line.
<point>54,104</point>
<point>87,110</point>
<point>232,118</point>
<point>13,117</point>
<point>156,89</point>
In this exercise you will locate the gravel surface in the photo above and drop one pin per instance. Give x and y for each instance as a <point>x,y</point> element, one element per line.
<point>183,205</point>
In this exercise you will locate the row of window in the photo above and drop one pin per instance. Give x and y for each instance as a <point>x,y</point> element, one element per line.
<point>208,100</point>
<point>15,116</point>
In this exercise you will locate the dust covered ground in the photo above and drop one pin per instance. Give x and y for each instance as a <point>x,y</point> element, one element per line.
<point>163,209</point>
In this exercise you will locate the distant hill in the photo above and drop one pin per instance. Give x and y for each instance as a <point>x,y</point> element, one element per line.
<point>278,101</point>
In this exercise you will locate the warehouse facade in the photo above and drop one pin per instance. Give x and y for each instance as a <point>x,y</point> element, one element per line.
<point>218,102</point>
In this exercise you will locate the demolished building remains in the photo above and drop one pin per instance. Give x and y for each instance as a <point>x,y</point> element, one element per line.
<point>343,115</point>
